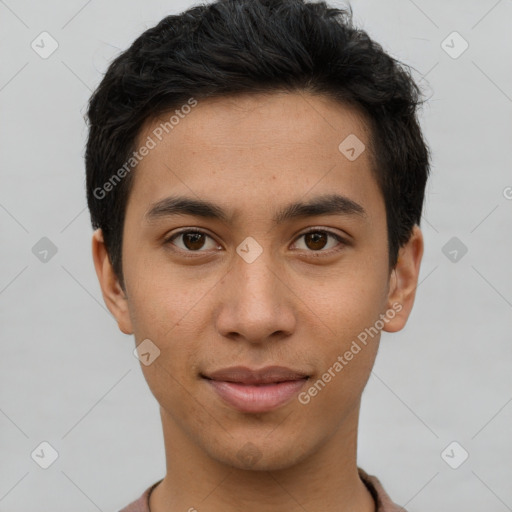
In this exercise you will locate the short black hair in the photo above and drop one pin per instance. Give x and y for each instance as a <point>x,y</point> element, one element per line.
<point>231,47</point>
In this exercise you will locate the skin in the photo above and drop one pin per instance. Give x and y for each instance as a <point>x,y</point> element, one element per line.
<point>300,304</point>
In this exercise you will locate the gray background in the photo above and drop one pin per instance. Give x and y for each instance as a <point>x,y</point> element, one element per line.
<point>68,376</point>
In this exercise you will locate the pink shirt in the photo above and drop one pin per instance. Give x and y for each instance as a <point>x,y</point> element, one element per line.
<point>383,502</point>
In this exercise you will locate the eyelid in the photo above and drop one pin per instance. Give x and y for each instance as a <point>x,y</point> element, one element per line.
<point>168,240</point>
<point>343,241</point>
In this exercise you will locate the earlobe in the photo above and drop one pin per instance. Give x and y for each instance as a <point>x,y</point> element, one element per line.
<point>404,281</point>
<point>113,294</point>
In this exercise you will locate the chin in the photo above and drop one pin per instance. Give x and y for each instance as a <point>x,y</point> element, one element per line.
<point>251,455</point>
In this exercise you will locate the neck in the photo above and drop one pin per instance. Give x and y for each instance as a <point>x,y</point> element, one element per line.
<point>326,479</point>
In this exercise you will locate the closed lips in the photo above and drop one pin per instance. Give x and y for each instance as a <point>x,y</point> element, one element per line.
<point>256,377</point>
<point>256,391</point>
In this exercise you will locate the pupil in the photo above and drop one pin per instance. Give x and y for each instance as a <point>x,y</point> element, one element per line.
<point>194,238</point>
<point>318,240</point>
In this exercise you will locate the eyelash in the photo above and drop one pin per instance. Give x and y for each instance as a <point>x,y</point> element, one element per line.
<point>192,254</point>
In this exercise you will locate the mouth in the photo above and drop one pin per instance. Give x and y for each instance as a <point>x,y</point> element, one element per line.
<point>256,391</point>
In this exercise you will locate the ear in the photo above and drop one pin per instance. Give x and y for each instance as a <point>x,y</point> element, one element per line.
<point>113,295</point>
<point>404,281</point>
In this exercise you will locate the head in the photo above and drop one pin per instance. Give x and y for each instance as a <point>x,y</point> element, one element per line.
<point>235,111</point>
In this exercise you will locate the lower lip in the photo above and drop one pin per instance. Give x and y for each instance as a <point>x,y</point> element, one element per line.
<point>251,398</point>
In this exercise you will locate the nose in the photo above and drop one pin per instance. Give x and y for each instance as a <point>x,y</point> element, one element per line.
<point>257,304</point>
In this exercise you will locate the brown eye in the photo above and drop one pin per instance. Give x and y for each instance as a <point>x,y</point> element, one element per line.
<point>191,241</point>
<point>315,240</point>
<point>318,241</point>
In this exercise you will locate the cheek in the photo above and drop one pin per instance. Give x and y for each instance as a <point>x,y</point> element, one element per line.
<point>346,300</point>
<point>346,335</point>
<point>336,390</point>
<point>161,298</point>
<point>172,377</point>
<point>166,314</point>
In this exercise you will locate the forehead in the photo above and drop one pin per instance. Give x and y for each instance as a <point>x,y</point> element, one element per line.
<point>273,144</point>
<point>272,118</point>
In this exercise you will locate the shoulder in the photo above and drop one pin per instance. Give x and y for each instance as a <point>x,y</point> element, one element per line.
<point>141,504</point>
<point>381,497</point>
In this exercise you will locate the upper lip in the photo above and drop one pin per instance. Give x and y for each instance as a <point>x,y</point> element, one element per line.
<point>264,375</point>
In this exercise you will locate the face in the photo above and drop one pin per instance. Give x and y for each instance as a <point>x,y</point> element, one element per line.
<point>246,280</point>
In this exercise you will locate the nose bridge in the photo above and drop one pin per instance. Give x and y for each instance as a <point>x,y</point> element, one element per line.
<point>256,302</point>
<point>256,280</point>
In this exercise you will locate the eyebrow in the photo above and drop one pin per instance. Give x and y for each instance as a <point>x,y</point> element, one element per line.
<point>331,204</point>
